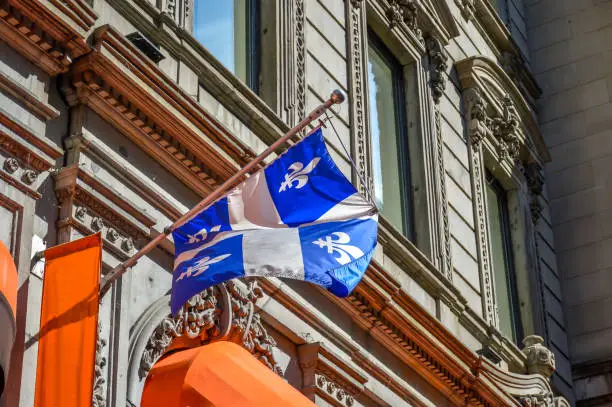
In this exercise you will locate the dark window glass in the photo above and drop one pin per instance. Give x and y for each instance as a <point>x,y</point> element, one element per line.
<point>503,264</point>
<point>229,29</point>
<point>390,163</point>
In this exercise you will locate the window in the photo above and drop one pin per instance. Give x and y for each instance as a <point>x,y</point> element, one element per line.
<point>229,29</point>
<point>390,162</point>
<point>504,276</point>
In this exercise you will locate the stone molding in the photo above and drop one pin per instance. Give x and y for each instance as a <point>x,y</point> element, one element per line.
<point>158,116</point>
<point>89,207</point>
<point>223,312</point>
<point>484,16</point>
<point>325,375</point>
<point>529,390</point>
<point>431,18</point>
<point>42,35</point>
<point>358,94</point>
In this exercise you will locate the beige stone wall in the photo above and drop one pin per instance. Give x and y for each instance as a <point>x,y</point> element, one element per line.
<point>571,56</point>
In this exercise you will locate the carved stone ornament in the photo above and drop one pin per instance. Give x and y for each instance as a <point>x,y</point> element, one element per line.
<point>223,312</point>
<point>535,182</point>
<point>97,224</point>
<point>332,390</point>
<point>11,165</point>
<point>438,65</point>
<point>29,177</point>
<point>127,245</point>
<point>357,3</point>
<point>504,128</point>
<point>540,360</point>
<point>476,116</point>
<point>98,399</point>
<point>403,11</point>
<point>80,213</point>
<point>112,235</point>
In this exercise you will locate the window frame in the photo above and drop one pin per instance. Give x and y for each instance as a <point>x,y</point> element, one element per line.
<point>510,267</point>
<point>401,127</point>
<point>253,49</point>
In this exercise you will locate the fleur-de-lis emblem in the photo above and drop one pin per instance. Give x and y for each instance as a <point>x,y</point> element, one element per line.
<point>201,266</point>
<point>340,246</point>
<point>201,235</point>
<point>298,173</point>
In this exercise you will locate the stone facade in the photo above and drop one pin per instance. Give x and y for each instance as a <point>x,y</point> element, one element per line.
<point>572,62</point>
<point>97,136</point>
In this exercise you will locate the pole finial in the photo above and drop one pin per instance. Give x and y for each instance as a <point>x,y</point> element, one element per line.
<point>337,97</point>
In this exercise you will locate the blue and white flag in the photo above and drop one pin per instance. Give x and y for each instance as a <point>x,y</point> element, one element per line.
<point>298,218</point>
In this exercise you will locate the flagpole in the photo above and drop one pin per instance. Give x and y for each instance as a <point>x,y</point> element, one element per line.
<point>336,97</point>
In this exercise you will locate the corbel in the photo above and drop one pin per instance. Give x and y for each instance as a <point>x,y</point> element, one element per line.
<point>437,67</point>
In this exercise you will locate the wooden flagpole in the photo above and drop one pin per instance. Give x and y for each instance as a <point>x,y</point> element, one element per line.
<point>336,97</point>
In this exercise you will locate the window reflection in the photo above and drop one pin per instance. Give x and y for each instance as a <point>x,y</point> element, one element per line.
<point>389,155</point>
<point>503,265</point>
<point>229,30</point>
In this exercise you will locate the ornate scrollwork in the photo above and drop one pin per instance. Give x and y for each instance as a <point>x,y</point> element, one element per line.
<point>504,128</point>
<point>197,318</point>
<point>222,312</point>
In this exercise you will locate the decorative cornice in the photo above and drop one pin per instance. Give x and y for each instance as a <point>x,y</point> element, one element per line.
<point>497,108</point>
<point>158,116</point>
<point>38,107</point>
<point>223,312</point>
<point>488,22</point>
<point>40,35</point>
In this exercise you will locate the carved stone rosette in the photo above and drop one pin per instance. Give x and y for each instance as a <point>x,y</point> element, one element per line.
<point>540,360</point>
<point>333,391</point>
<point>222,312</point>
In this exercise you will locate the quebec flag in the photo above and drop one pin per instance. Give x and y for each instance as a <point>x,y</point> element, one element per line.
<point>298,218</point>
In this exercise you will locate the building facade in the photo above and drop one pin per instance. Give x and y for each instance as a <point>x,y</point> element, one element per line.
<point>119,115</point>
<point>573,65</point>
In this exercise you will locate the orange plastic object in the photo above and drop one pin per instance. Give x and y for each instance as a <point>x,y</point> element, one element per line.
<point>8,279</point>
<point>221,374</point>
<point>69,324</point>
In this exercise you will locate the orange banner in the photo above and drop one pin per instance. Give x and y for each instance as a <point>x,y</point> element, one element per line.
<point>69,324</point>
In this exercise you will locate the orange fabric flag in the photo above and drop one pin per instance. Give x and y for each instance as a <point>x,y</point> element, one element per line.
<point>69,324</point>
